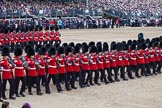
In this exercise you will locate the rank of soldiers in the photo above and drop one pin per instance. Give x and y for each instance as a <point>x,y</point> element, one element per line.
<point>86,64</point>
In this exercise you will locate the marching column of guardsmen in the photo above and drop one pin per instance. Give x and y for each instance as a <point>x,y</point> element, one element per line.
<point>87,64</point>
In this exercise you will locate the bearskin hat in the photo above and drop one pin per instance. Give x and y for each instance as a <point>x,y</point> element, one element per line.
<point>61,50</point>
<point>71,44</point>
<point>129,42</point>
<point>31,52</point>
<point>79,45</point>
<point>91,44</point>
<point>150,44</point>
<point>57,45</point>
<point>27,47</point>
<point>134,42</point>
<point>105,46</point>
<point>77,49</point>
<point>133,47</point>
<point>68,50</point>
<point>47,46</point>
<point>161,44</point>
<point>125,47</point>
<point>51,28</point>
<point>51,51</point>
<point>99,48</point>
<point>140,46</point>
<point>155,44</point>
<point>38,47</point>
<point>160,38</point>
<point>56,28</point>
<point>147,40</point>
<point>113,46</point>
<point>124,42</point>
<point>93,49</point>
<point>144,46</point>
<point>64,45</point>
<point>42,51</point>
<point>98,44</point>
<point>140,36</point>
<point>85,48</point>
<point>31,43</point>
<point>18,51</point>
<point>5,51</point>
<point>119,46</point>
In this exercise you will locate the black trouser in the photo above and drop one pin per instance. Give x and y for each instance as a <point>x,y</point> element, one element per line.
<point>12,47</point>
<point>115,72</point>
<point>109,77</point>
<point>122,73</point>
<point>78,74</point>
<point>128,70</point>
<point>103,76</point>
<point>147,66</point>
<point>142,67</point>
<point>71,78</point>
<point>44,78</point>
<point>30,84</point>
<point>55,80</point>
<point>89,77</point>
<point>11,82</point>
<point>83,73</point>
<point>17,81</point>
<point>64,77</point>
<point>158,64</point>
<point>96,77</point>
<point>135,69</point>
<point>153,66</point>
<point>0,88</point>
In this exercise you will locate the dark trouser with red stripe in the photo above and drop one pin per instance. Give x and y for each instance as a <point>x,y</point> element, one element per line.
<point>55,80</point>
<point>158,64</point>
<point>44,78</point>
<point>122,73</point>
<point>142,67</point>
<point>109,77</point>
<point>11,83</point>
<point>89,76</point>
<point>147,66</point>
<point>31,79</point>
<point>115,72</point>
<point>78,74</point>
<point>17,81</point>
<point>71,78</point>
<point>153,66</point>
<point>128,69</point>
<point>64,77</point>
<point>103,76</point>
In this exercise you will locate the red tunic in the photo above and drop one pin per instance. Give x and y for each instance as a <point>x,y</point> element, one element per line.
<point>7,70</point>
<point>69,62</point>
<point>112,60</point>
<point>140,59</point>
<point>41,70</point>
<point>19,69</point>
<point>152,55</point>
<point>76,64</point>
<point>100,62</point>
<point>61,65</point>
<point>93,63</point>
<point>147,57</point>
<point>157,56</point>
<point>52,35</point>
<point>31,68</point>
<point>119,60</point>
<point>133,58</point>
<point>52,66</point>
<point>126,59</point>
<point>106,60</point>
<point>57,34</point>
<point>85,63</point>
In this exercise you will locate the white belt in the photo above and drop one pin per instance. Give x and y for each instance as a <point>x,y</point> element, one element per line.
<point>50,66</point>
<point>133,58</point>
<point>57,36</point>
<point>19,67</point>
<point>107,61</point>
<point>42,67</point>
<point>32,68</point>
<point>84,62</point>
<point>69,64</point>
<point>120,59</point>
<point>100,62</point>
<point>141,57</point>
<point>7,70</point>
<point>62,65</point>
<point>93,62</point>
<point>76,64</point>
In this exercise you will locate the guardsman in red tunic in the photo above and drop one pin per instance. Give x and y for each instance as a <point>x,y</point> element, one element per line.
<point>52,36</point>
<point>61,67</point>
<point>133,60</point>
<point>69,67</point>
<point>42,68</point>
<point>58,35</point>
<point>141,60</point>
<point>52,68</point>
<point>76,66</point>
<point>7,73</point>
<point>157,57</point>
<point>126,56</point>
<point>107,61</point>
<point>100,64</point>
<point>32,72</point>
<point>119,61</point>
<point>93,64</point>
<point>19,72</point>
<point>113,61</point>
<point>12,41</point>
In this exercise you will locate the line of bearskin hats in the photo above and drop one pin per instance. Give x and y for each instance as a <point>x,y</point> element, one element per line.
<point>6,51</point>
<point>42,51</point>
<point>18,51</point>
<point>51,51</point>
<point>105,46</point>
<point>30,52</point>
<point>61,50</point>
